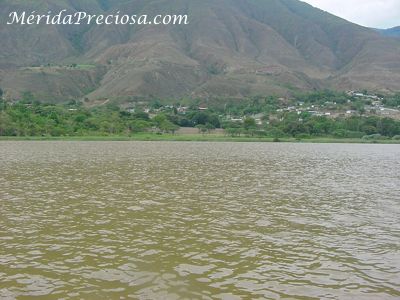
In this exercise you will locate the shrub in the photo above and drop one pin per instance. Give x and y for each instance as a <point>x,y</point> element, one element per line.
<point>354,134</point>
<point>303,136</point>
<point>260,133</point>
<point>276,133</point>
<point>374,137</point>
<point>340,133</point>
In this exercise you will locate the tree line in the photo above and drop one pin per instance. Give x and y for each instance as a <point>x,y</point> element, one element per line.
<point>306,125</point>
<point>30,118</point>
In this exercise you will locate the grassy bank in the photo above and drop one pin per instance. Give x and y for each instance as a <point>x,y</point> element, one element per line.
<point>198,138</point>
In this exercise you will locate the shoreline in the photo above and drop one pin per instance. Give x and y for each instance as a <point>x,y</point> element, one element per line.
<point>199,138</point>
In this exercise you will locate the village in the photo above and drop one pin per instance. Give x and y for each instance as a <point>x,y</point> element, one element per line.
<point>357,104</point>
<point>320,114</point>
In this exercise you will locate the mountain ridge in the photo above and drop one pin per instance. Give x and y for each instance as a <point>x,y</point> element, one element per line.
<point>391,32</point>
<point>231,48</point>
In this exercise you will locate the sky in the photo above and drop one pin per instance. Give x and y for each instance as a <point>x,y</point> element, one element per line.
<point>370,13</point>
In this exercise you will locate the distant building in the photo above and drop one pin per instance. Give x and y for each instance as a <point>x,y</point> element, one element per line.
<point>203,107</point>
<point>182,109</point>
<point>362,95</point>
<point>238,120</point>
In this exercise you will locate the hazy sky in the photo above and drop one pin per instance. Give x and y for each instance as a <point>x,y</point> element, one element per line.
<point>371,13</point>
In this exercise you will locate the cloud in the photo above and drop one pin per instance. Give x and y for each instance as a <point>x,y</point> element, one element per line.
<point>370,13</point>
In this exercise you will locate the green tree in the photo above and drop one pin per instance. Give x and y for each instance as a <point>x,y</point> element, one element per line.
<point>5,124</point>
<point>202,129</point>
<point>388,127</point>
<point>159,119</point>
<point>249,123</point>
<point>369,129</point>
<point>139,126</point>
<point>141,115</point>
<point>276,133</point>
<point>210,127</point>
<point>234,131</point>
<point>168,127</point>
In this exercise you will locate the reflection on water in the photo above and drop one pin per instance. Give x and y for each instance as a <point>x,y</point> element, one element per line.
<point>199,221</point>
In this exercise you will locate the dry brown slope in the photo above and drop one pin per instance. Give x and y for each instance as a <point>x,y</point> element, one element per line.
<point>232,48</point>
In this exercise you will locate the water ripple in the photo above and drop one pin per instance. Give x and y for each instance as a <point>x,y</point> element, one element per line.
<point>140,220</point>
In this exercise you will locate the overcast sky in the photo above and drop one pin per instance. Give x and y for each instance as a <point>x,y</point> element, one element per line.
<point>371,13</point>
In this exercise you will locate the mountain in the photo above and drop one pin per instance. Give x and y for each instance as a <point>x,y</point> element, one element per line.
<point>231,48</point>
<point>392,32</point>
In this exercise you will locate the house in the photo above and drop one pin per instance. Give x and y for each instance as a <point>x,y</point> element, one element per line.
<point>203,107</point>
<point>238,120</point>
<point>182,109</point>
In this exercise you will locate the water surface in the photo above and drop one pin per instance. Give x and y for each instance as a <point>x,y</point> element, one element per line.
<point>144,220</point>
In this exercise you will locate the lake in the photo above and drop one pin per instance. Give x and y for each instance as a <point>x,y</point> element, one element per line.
<point>170,220</point>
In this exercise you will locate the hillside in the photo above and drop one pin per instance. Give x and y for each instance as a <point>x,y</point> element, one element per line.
<point>231,48</point>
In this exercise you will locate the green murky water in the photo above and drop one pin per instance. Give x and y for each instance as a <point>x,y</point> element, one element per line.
<point>122,220</point>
